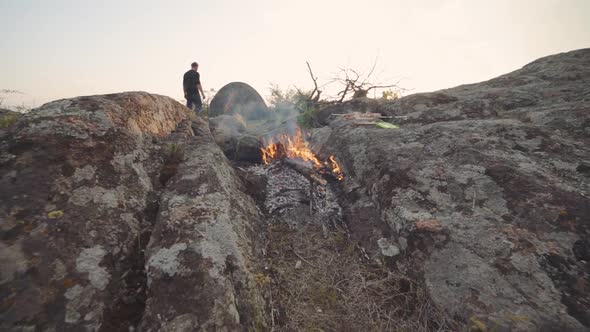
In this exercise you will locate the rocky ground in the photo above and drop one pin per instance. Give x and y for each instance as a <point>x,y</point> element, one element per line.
<point>500,169</point>
<point>125,212</point>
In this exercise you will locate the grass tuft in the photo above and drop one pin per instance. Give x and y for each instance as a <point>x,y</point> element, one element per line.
<point>7,121</point>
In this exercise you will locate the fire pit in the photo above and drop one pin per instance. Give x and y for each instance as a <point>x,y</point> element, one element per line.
<point>295,151</point>
<point>294,184</point>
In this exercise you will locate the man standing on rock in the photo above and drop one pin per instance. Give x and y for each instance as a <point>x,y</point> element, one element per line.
<point>191,83</point>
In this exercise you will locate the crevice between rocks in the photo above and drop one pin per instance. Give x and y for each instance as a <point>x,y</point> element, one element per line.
<point>129,289</point>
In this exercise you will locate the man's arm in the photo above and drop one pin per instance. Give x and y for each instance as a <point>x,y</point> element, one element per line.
<point>200,88</point>
<point>184,86</point>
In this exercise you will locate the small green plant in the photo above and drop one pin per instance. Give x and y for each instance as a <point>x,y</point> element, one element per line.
<point>55,214</point>
<point>205,111</point>
<point>293,101</point>
<point>191,115</point>
<point>390,94</point>
<point>7,120</point>
<point>261,279</point>
<point>175,153</point>
<point>305,119</point>
<point>282,99</point>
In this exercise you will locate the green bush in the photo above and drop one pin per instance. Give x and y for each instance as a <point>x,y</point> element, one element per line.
<point>305,119</point>
<point>286,103</point>
<point>390,94</point>
<point>7,120</point>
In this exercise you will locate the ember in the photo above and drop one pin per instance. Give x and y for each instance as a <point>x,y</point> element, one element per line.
<point>296,147</point>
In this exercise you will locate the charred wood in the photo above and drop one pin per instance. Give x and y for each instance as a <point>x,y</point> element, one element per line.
<point>306,170</point>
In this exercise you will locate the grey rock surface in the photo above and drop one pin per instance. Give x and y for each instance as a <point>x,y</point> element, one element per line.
<point>485,190</point>
<point>75,189</point>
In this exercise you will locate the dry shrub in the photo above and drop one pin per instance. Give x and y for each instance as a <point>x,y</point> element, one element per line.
<point>335,289</point>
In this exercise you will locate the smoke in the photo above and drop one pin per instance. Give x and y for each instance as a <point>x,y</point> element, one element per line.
<point>241,123</point>
<point>273,121</point>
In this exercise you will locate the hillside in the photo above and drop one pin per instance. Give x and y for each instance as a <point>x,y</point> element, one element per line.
<point>126,212</point>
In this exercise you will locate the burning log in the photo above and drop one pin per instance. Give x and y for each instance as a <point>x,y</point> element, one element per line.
<point>285,147</point>
<point>306,170</point>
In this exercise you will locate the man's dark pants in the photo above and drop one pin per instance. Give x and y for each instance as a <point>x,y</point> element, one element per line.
<point>194,103</point>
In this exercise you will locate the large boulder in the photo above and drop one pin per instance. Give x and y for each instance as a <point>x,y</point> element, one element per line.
<point>238,98</point>
<point>485,189</point>
<point>231,133</point>
<point>199,259</point>
<point>75,195</point>
<point>117,211</point>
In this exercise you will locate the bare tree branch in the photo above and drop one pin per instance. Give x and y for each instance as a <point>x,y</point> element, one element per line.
<point>11,91</point>
<point>395,85</point>
<point>370,72</point>
<point>343,93</point>
<point>314,79</point>
<point>360,84</point>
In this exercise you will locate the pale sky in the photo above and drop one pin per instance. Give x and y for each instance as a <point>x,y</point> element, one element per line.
<point>58,49</point>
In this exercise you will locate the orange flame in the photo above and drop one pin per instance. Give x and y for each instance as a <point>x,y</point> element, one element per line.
<point>296,147</point>
<point>336,169</point>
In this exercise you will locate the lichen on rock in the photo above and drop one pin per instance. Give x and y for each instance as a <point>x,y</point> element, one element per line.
<point>89,262</point>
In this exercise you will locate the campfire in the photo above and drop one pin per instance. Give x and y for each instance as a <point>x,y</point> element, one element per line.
<point>286,147</point>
